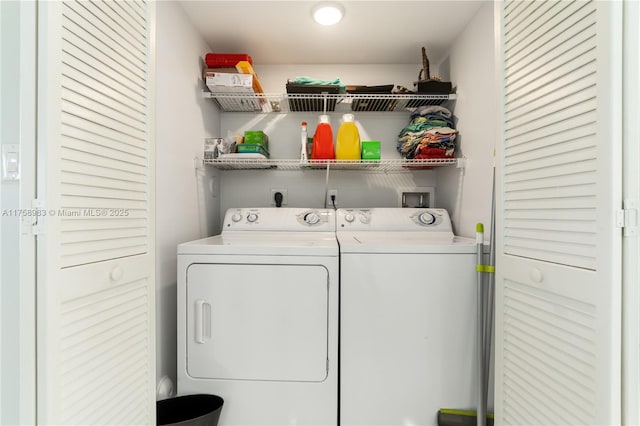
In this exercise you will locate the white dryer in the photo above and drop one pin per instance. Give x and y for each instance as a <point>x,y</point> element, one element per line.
<point>407,312</point>
<point>258,317</point>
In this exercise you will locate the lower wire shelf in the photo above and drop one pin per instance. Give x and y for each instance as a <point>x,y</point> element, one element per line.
<point>393,165</point>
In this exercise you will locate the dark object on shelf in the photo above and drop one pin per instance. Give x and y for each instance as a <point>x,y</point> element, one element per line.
<point>189,410</point>
<point>373,90</point>
<point>371,104</point>
<point>426,73</point>
<point>430,87</point>
<point>427,85</point>
<point>315,104</point>
<point>433,87</point>
<point>224,60</point>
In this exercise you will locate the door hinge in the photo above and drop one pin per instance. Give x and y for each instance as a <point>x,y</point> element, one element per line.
<point>627,218</point>
<point>36,229</point>
<point>38,209</point>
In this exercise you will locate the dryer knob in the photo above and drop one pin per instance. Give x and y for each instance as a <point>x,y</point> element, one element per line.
<point>364,218</point>
<point>426,219</point>
<point>349,217</point>
<point>236,217</point>
<point>311,218</point>
<point>252,217</point>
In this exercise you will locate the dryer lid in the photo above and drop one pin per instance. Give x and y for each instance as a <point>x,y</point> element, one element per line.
<point>265,244</point>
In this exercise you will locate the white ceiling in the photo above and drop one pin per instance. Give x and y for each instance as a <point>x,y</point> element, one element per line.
<point>372,32</point>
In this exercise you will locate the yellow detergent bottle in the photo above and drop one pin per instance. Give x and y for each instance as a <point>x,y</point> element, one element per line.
<point>348,139</point>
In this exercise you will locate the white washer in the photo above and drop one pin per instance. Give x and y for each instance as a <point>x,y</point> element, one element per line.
<point>258,317</point>
<point>407,316</point>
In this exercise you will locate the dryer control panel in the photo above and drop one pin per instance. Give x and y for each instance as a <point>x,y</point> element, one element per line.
<point>394,219</point>
<point>279,219</point>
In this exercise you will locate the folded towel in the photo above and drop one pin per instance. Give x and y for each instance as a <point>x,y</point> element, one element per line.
<point>311,80</point>
<point>432,109</point>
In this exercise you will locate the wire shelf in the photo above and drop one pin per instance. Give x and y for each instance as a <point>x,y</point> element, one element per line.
<point>385,166</point>
<point>342,102</point>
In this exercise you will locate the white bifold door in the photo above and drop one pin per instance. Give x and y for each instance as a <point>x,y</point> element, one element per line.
<point>558,282</point>
<point>96,345</point>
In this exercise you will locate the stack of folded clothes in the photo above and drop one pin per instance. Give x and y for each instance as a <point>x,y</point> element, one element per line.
<point>430,134</point>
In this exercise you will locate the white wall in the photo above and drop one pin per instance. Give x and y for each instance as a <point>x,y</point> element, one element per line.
<point>184,209</point>
<point>471,68</point>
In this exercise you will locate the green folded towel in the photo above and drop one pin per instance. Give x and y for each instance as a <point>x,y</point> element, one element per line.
<point>311,80</point>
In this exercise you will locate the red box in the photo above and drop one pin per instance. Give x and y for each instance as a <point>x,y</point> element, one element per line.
<point>221,60</point>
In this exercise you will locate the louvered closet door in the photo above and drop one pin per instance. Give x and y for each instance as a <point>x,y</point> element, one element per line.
<point>558,249</point>
<point>96,315</point>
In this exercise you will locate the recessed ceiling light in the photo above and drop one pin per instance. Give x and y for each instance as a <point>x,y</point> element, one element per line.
<point>328,13</point>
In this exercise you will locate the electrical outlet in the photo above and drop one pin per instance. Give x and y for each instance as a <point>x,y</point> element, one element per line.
<point>273,196</point>
<point>330,203</point>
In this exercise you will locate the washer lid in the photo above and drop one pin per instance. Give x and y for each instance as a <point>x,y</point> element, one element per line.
<point>265,244</point>
<point>404,243</point>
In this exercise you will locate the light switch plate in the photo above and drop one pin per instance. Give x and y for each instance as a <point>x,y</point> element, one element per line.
<point>10,162</point>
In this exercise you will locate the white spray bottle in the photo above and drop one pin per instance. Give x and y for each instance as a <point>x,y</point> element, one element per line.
<point>304,140</point>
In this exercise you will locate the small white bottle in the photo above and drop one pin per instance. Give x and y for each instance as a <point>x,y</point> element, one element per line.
<point>303,142</point>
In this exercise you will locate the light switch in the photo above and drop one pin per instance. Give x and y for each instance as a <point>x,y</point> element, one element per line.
<point>10,162</point>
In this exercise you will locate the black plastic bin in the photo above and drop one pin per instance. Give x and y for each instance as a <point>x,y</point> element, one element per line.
<point>189,410</point>
<point>316,101</point>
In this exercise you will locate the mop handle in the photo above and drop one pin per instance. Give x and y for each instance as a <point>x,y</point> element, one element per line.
<point>481,414</point>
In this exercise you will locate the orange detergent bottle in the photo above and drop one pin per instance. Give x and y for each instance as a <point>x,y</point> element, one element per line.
<point>348,139</point>
<point>322,147</point>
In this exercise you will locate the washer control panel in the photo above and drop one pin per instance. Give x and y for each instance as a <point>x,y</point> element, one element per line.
<point>279,219</point>
<point>354,216</point>
<point>394,219</point>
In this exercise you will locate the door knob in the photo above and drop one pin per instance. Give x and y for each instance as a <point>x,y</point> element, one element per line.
<point>116,273</point>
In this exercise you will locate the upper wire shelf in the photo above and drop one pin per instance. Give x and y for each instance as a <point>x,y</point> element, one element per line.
<point>342,102</point>
<point>391,165</point>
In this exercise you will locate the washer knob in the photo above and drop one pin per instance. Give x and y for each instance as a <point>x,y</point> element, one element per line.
<point>364,218</point>
<point>349,217</point>
<point>311,218</point>
<point>236,217</point>
<point>426,218</point>
<point>252,217</point>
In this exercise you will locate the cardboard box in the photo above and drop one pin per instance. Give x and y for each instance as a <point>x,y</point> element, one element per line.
<point>210,71</point>
<point>219,82</point>
<point>233,83</point>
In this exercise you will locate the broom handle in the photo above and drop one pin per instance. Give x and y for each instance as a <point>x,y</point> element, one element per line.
<point>480,329</point>
<point>488,340</point>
